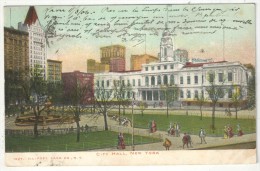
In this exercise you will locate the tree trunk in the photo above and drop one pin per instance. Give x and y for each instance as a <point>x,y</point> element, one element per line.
<point>35,128</point>
<point>200,112</point>
<point>213,117</point>
<point>236,112</point>
<point>167,110</point>
<point>119,111</point>
<point>105,120</point>
<point>78,129</point>
<point>124,110</point>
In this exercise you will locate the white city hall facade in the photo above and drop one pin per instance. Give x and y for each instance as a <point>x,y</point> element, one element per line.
<point>191,78</point>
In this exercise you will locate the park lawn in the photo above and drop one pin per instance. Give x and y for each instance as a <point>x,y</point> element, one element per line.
<point>63,143</point>
<point>192,124</point>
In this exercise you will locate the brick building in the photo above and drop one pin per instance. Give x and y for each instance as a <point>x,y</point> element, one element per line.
<point>16,50</point>
<point>75,83</point>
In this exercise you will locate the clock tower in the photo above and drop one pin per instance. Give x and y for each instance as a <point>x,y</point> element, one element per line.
<point>166,46</point>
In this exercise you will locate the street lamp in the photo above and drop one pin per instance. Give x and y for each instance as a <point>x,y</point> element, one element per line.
<point>133,101</point>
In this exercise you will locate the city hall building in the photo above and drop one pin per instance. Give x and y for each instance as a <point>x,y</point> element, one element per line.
<point>173,69</point>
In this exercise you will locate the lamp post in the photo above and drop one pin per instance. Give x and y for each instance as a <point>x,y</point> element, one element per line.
<point>133,146</point>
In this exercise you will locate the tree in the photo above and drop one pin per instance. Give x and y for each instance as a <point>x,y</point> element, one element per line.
<point>237,96</point>
<point>215,91</point>
<point>104,101</point>
<point>121,93</point>
<point>251,92</point>
<point>142,106</point>
<point>15,96</point>
<point>78,92</point>
<point>200,100</point>
<point>37,89</point>
<point>171,94</point>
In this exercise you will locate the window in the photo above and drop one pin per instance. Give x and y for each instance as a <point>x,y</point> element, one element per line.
<point>155,95</point>
<point>102,83</point>
<point>133,82</point>
<point>162,95</point>
<point>202,79</point>
<point>230,93</point>
<point>146,81</point>
<point>172,66</point>
<point>152,67</point>
<point>196,79</point>
<point>159,67</point>
<point>149,95</point>
<point>128,82</point>
<point>107,83</point>
<point>139,82</point>
<point>181,80</point>
<point>181,94</point>
<point>146,68</point>
<point>188,94</point>
<point>123,82</point>
<point>230,76</point>
<point>165,80</point>
<point>152,80</point>
<point>196,94</point>
<point>144,95</point>
<point>220,77</point>
<point>165,67</point>
<point>211,77</point>
<point>172,79</point>
<point>159,81</point>
<point>188,79</point>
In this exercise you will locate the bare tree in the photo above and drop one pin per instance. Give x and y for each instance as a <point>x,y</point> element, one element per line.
<point>142,106</point>
<point>215,90</point>
<point>237,96</point>
<point>122,95</point>
<point>104,101</point>
<point>171,94</point>
<point>78,93</point>
<point>200,100</point>
<point>37,89</point>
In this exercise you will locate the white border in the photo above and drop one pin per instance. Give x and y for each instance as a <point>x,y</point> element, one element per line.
<point>88,2</point>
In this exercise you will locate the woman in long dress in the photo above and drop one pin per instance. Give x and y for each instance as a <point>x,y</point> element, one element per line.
<point>121,143</point>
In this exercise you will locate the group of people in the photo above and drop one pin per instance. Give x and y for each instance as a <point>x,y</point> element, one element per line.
<point>174,129</point>
<point>186,139</point>
<point>228,131</point>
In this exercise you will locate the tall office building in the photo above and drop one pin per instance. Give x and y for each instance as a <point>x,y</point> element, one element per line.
<point>37,40</point>
<point>113,51</point>
<point>138,60</point>
<point>16,50</point>
<point>54,69</point>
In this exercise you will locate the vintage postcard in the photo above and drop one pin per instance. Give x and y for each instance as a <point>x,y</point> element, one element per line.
<point>129,84</point>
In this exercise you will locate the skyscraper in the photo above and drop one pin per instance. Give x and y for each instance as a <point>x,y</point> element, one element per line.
<point>37,40</point>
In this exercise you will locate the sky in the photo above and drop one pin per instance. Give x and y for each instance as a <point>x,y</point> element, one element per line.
<point>224,32</point>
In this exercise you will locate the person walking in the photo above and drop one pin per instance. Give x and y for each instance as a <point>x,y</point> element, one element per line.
<point>202,135</point>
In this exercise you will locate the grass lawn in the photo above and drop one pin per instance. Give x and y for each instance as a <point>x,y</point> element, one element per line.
<point>53,143</point>
<point>192,124</point>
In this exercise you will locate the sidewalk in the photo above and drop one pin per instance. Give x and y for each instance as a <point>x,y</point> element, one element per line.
<point>196,143</point>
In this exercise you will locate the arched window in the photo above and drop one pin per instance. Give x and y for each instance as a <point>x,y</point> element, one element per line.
<point>165,80</point>
<point>152,80</point>
<point>159,81</point>
<point>146,80</point>
<point>172,79</point>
